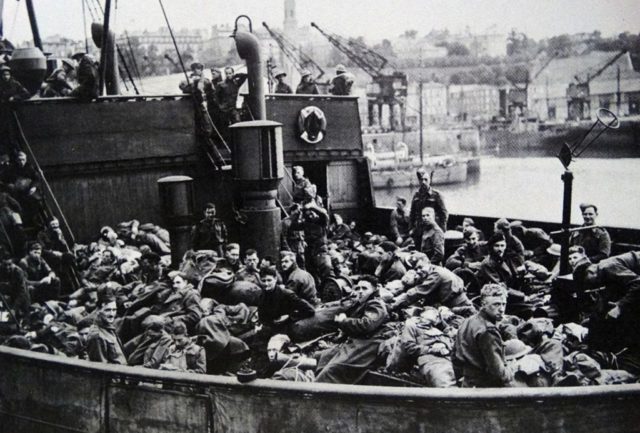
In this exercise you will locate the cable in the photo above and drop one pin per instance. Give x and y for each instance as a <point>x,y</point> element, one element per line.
<point>175,44</point>
<point>133,60</point>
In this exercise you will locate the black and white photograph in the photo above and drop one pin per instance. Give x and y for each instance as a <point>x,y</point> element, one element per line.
<point>285,216</point>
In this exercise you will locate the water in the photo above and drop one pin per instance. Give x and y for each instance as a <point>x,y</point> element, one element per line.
<point>531,188</point>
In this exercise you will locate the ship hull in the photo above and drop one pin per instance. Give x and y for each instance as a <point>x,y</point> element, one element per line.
<point>61,394</point>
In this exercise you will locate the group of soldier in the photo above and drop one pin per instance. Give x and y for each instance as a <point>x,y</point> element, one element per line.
<point>340,85</point>
<point>337,305</point>
<point>78,77</point>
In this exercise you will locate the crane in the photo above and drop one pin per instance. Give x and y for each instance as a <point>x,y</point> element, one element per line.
<point>385,89</point>
<point>300,60</point>
<point>518,95</point>
<point>578,92</point>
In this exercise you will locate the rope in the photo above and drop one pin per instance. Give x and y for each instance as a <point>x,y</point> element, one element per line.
<point>175,44</point>
<point>44,179</point>
<point>126,68</point>
<point>133,59</point>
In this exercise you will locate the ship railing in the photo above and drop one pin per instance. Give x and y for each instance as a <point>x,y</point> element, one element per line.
<point>99,397</point>
<point>109,98</point>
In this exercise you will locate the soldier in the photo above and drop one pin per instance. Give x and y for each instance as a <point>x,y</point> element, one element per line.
<point>428,237</point>
<point>250,272</point>
<point>103,344</point>
<point>595,240</point>
<point>399,222</point>
<point>298,280</point>
<point>427,196</point>
<point>88,78</point>
<point>615,324</point>
<point>281,86</point>
<point>56,85</point>
<point>41,280</point>
<point>210,233</point>
<point>306,86</point>
<point>13,285</point>
<point>479,350</point>
<point>342,83</point>
<point>10,88</point>
<point>227,95</point>
<point>363,324</point>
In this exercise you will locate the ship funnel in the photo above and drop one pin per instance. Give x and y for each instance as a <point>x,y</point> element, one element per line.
<point>248,47</point>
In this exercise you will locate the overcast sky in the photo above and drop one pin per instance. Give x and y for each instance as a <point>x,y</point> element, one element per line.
<point>374,19</point>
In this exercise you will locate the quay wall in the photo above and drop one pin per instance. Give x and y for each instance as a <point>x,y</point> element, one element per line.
<point>47,393</point>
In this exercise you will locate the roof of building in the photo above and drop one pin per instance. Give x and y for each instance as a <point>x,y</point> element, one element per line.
<point>556,77</point>
<point>565,70</point>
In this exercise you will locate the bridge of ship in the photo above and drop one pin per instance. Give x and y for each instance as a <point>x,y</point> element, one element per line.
<point>102,159</point>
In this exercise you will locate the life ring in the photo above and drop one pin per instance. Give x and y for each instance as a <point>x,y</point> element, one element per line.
<point>312,124</point>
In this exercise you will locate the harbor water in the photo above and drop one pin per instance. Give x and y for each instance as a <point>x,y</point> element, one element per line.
<point>531,188</point>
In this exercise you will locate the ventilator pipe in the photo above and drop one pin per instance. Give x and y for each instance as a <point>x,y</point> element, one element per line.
<point>248,47</point>
<point>176,201</point>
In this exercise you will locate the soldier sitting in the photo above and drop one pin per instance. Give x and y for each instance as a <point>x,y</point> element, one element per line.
<point>41,280</point>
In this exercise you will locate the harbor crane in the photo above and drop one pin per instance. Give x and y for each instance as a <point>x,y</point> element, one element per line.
<point>579,95</point>
<point>298,58</point>
<point>385,89</point>
<point>518,95</point>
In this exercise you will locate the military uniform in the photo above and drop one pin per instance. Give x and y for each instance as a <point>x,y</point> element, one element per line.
<point>103,344</point>
<point>596,243</point>
<point>302,284</point>
<point>349,361</point>
<point>440,286</point>
<point>428,198</point>
<point>341,84</point>
<point>209,235</point>
<point>283,88</point>
<point>479,353</point>
<point>430,240</point>
<point>12,89</point>
<point>431,349</point>
<point>305,88</point>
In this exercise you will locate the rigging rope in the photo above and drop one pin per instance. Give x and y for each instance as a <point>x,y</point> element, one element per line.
<point>175,44</point>
<point>133,60</point>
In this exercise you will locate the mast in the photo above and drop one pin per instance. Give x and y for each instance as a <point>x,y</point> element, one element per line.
<point>421,126</point>
<point>37,41</point>
<point>105,44</point>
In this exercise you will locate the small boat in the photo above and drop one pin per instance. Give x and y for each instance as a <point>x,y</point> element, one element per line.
<point>398,170</point>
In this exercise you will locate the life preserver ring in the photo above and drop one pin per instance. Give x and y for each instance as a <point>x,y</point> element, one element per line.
<point>312,124</point>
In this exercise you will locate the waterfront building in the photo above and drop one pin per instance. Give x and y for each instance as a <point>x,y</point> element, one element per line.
<point>473,101</point>
<point>548,97</point>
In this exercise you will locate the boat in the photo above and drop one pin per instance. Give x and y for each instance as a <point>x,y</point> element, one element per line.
<point>394,170</point>
<point>450,155</point>
<point>103,161</point>
<point>529,136</point>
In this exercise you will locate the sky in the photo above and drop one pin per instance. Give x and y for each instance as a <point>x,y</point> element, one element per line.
<point>373,19</point>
